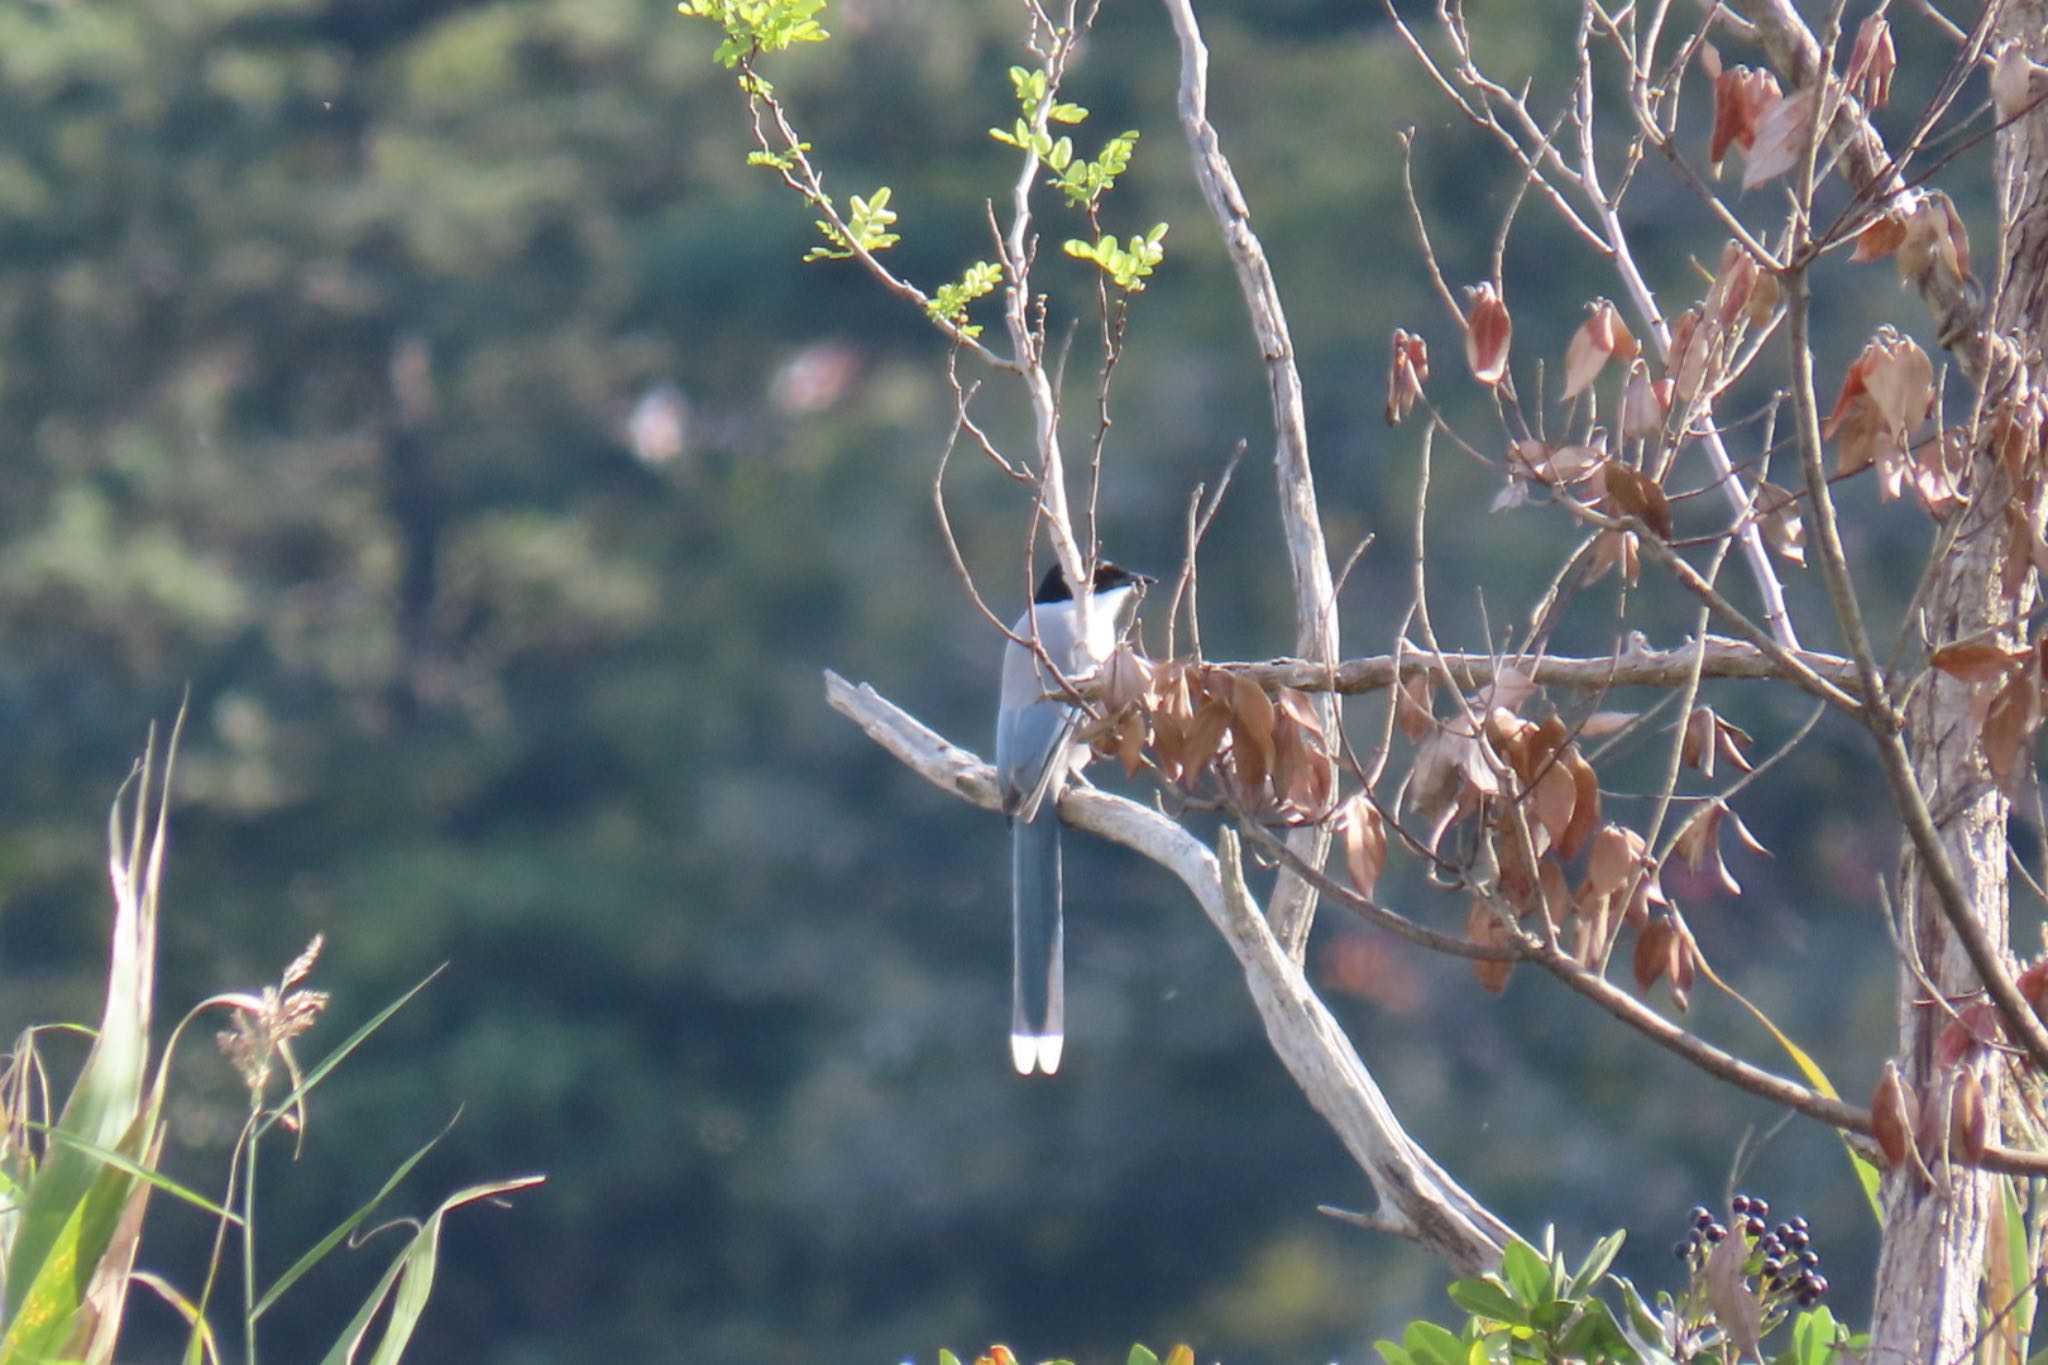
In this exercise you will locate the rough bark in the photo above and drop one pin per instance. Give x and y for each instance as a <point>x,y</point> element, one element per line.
<point>1931,1268</point>
<point>1930,1275</point>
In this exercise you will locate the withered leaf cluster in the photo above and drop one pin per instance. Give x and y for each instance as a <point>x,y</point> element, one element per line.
<point>1407,372</point>
<point>1751,113</point>
<point>1887,396</point>
<point>1201,722</point>
<point>1922,232</point>
<point>1946,1122</point>
<point>2005,697</point>
<point>1533,799</point>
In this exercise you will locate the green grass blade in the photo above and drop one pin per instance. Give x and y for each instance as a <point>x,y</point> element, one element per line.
<point>204,1346</point>
<point>108,1157</point>
<point>107,1097</point>
<point>409,1281</point>
<point>340,1054</point>
<point>49,1313</point>
<point>410,1300</point>
<point>343,1351</point>
<point>342,1230</point>
<point>2018,1266</point>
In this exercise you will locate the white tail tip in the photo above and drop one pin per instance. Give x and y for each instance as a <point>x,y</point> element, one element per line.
<point>1031,1052</point>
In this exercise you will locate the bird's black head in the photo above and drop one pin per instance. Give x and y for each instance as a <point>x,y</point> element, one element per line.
<point>1053,587</point>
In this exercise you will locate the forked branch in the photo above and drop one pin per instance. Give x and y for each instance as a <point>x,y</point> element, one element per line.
<point>1416,1197</point>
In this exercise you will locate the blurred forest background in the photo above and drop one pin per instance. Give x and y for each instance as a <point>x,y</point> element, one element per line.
<point>430,388</point>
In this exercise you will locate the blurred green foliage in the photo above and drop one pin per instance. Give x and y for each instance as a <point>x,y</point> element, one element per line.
<point>434,391</point>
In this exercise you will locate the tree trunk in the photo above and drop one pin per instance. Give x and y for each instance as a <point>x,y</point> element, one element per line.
<point>1930,1277</point>
<point>1931,1270</point>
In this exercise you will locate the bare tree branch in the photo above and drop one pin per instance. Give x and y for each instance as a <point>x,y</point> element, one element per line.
<point>1315,602</point>
<point>1635,665</point>
<point>1416,1197</point>
<point>1956,303</point>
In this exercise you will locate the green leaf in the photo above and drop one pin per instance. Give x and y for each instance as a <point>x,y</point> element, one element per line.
<point>141,1172</point>
<point>1141,1356</point>
<point>408,1282</point>
<point>1596,1263</point>
<point>2018,1262</point>
<point>1813,1337</point>
<point>947,1357</point>
<point>50,1303</point>
<point>753,26</point>
<point>1645,1323</point>
<point>1526,1272</point>
<point>1392,1354</point>
<point>1429,1344</point>
<point>1487,1298</point>
<point>342,1230</point>
<point>106,1102</point>
<point>1595,1336</point>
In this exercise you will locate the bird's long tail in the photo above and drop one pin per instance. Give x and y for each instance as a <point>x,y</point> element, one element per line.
<point>1038,1011</point>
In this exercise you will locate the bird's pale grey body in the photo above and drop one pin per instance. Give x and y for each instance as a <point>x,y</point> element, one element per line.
<point>1035,756</point>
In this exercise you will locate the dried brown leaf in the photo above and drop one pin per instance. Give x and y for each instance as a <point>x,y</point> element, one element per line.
<point>1684,961</point>
<point>1777,511</point>
<point>1900,380</point>
<point>1603,335</point>
<point>1976,661</point>
<point>1555,799</point>
<point>1365,843</point>
<point>2009,724</point>
<point>1484,929</point>
<point>1934,238</point>
<point>1728,299</point>
<point>1642,414</point>
<point>1891,1117</point>
<point>1743,97</point>
<point>1699,843</point>
<point>1488,330</point>
<point>1879,240</point>
<point>1652,956</point>
<point>1130,737</point>
<point>1612,859</point>
<point>1969,1128</point>
<point>1126,678</point>
<point>1871,63</point>
<point>1585,804</point>
<point>1412,705</point>
<point>1205,736</point>
<point>1601,724</point>
<point>1406,374</point>
<point>1612,550</point>
<point>1631,493</point>
<point>1736,1305</point>
<point>1781,138</point>
<point>1696,750</point>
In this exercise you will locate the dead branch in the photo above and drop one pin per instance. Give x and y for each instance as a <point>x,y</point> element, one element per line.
<point>1416,1197</point>
<point>1315,602</point>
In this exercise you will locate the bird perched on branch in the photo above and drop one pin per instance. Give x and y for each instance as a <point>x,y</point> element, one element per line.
<point>1036,752</point>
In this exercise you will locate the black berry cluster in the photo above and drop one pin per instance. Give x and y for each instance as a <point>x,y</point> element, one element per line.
<point>1783,1257</point>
